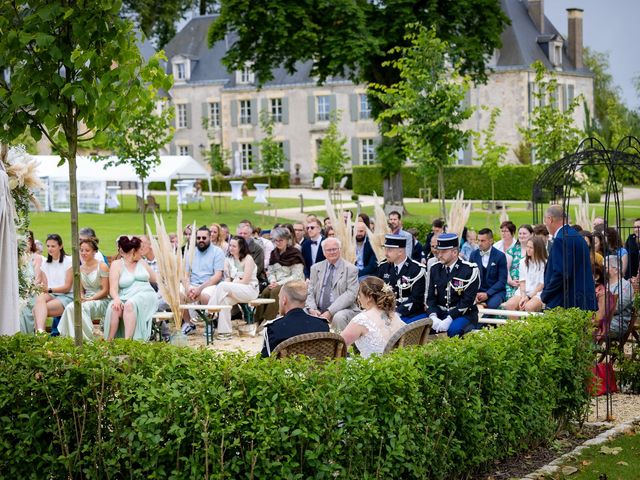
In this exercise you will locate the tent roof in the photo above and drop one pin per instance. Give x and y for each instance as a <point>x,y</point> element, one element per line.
<point>171,167</point>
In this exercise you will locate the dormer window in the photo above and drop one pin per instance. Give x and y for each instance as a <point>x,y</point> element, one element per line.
<point>557,54</point>
<point>245,76</point>
<point>181,72</point>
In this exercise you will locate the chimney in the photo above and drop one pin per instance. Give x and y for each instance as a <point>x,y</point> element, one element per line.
<point>536,12</point>
<point>575,36</point>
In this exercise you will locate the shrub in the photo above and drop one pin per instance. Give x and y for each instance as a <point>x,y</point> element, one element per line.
<point>513,182</point>
<point>132,410</point>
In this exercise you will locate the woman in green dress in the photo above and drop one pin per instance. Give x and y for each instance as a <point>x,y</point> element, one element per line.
<point>94,279</point>
<point>134,299</point>
<point>515,254</point>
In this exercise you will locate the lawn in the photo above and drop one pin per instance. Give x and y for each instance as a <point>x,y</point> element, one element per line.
<point>618,459</point>
<point>126,220</point>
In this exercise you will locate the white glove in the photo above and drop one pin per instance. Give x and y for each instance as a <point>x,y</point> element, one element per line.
<point>435,321</point>
<point>444,324</point>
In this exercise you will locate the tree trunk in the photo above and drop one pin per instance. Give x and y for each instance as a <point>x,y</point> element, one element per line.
<point>144,208</point>
<point>393,193</point>
<point>75,255</point>
<point>441,194</point>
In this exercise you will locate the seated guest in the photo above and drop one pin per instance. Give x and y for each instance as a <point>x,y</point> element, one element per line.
<point>204,274</point>
<point>57,280</point>
<point>453,285</point>
<point>217,237</point>
<point>437,227</point>
<point>492,265</point>
<point>285,265</point>
<point>329,232</point>
<point>405,276</point>
<point>312,246</point>
<point>395,224</point>
<point>614,247</point>
<point>527,297</point>
<point>299,231</point>
<point>470,245</point>
<point>364,218</point>
<point>417,252</point>
<point>432,260</point>
<point>621,287</point>
<point>94,280</point>
<point>240,285</point>
<point>371,329</point>
<point>294,320</point>
<point>542,232</point>
<point>333,287</point>
<point>507,232</point>
<point>133,298</point>
<point>366,259</point>
<point>594,256</point>
<point>245,230</point>
<point>33,274</point>
<point>89,233</point>
<point>515,254</point>
<point>632,246</point>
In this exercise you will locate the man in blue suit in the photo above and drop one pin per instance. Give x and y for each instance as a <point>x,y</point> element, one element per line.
<point>366,259</point>
<point>568,279</point>
<point>311,246</point>
<point>492,264</point>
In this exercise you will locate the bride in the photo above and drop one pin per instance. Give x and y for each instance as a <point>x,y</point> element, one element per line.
<point>372,328</point>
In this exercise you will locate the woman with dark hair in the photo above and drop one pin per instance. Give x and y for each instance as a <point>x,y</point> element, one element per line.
<point>286,264</point>
<point>598,244</point>
<point>240,285</point>
<point>364,218</point>
<point>614,247</point>
<point>593,255</point>
<point>94,280</point>
<point>507,231</point>
<point>133,298</point>
<point>515,254</point>
<point>33,275</point>
<point>57,281</point>
<point>531,283</point>
<point>371,329</point>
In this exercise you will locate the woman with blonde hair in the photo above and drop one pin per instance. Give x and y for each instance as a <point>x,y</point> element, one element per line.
<point>371,329</point>
<point>217,237</point>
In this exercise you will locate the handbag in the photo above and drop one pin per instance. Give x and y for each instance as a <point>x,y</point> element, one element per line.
<point>604,379</point>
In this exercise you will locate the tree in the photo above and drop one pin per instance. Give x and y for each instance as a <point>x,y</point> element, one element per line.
<point>138,139</point>
<point>551,132</point>
<point>427,104</point>
<point>332,156</point>
<point>271,155</point>
<point>489,151</point>
<point>74,71</point>
<point>351,39</point>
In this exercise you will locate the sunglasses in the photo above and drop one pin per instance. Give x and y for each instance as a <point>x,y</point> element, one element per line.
<point>311,228</point>
<point>202,238</point>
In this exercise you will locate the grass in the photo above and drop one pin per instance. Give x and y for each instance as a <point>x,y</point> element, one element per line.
<point>618,459</point>
<point>126,220</point>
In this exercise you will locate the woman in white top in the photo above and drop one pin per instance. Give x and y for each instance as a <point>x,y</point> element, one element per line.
<point>240,286</point>
<point>371,329</point>
<point>527,298</point>
<point>57,281</point>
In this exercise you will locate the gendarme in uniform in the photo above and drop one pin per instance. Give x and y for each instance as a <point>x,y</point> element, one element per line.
<point>408,283</point>
<point>452,290</point>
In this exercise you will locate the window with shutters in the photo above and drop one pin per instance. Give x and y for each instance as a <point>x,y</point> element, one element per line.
<point>246,76</point>
<point>323,108</point>
<point>246,156</point>
<point>364,108</point>
<point>368,151</point>
<point>245,112</point>
<point>181,115</point>
<point>276,110</point>
<point>183,150</point>
<point>181,71</point>
<point>214,114</point>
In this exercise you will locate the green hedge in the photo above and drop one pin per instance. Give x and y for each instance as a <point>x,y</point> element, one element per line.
<point>132,410</point>
<point>280,180</point>
<point>515,182</point>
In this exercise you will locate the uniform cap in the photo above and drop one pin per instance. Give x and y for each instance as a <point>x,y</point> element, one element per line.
<point>394,241</point>
<point>447,241</point>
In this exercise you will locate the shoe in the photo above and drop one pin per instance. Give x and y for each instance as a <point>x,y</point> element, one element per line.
<point>188,328</point>
<point>224,336</point>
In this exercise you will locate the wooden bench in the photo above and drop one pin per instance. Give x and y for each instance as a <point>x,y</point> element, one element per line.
<point>208,313</point>
<point>486,316</point>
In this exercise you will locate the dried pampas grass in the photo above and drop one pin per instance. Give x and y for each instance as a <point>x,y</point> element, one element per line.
<point>344,233</point>
<point>582,217</point>
<point>382,228</point>
<point>172,266</point>
<point>458,214</point>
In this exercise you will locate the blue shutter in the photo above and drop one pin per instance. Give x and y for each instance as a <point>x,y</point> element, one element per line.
<point>234,113</point>
<point>353,106</point>
<point>254,111</point>
<point>265,107</point>
<point>355,151</point>
<point>286,148</point>
<point>188,115</point>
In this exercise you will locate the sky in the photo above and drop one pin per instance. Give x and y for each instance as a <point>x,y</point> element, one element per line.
<point>609,26</point>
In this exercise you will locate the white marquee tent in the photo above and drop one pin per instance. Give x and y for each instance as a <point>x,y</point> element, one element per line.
<point>92,177</point>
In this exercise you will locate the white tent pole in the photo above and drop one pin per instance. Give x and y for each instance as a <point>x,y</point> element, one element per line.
<point>168,185</point>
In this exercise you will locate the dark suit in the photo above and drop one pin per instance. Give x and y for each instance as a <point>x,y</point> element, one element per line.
<point>568,280</point>
<point>493,279</point>
<point>257,253</point>
<point>306,254</point>
<point>369,260</point>
<point>295,322</point>
<point>453,294</point>
<point>633,250</point>
<point>408,286</point>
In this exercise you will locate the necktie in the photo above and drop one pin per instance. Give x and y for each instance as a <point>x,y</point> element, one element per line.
<point>313,242</point>
<point>326,289</point>
<point>397,270</point>
<point>484,254</point>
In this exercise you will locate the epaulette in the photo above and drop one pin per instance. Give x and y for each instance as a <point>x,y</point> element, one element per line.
<point>417,263</point>
<point>382,262</point>
<point>468,263</point>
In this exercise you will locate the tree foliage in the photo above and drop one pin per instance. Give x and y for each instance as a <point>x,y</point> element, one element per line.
<point>426,107</point>
<point>74,71</point>
<point>271,155</point>
<point>332,156</point>
<point>552,133</point>
<point>489,151</point>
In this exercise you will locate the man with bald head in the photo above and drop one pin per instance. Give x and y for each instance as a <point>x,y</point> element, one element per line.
<point>568,279</point>
<point>333,287</point>
<point>366,259</point>
<point>245,230</point>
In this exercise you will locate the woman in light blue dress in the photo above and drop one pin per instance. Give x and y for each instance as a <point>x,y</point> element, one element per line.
<point>134,299</point>
<point>94,278</point>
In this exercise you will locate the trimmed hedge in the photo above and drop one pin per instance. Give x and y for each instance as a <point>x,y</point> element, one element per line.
<point>132,410</point>
<point>280,180</point>
<point>514,182</point>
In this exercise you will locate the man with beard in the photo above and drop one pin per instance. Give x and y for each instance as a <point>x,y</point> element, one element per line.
<point>366,259</point>
<point>206,272</point>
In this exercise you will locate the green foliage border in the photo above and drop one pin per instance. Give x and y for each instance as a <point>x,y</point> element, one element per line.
<point>128,409</point>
